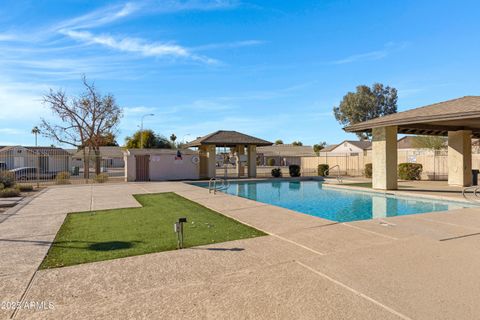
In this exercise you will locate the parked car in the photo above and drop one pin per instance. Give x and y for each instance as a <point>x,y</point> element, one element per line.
<point>30,173</point>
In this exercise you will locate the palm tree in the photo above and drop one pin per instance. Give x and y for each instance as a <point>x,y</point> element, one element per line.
<point>35,131</point>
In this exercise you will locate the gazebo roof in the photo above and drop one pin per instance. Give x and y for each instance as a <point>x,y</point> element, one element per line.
<point>227,138</point>
<point>435,119</point>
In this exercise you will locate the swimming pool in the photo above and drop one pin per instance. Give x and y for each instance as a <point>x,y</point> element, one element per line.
<point>336,204</point>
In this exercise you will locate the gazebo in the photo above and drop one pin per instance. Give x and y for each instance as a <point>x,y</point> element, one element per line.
<point>208,144</point>
<point>459,119</point>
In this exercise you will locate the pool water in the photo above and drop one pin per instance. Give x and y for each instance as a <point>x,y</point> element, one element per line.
<point>336,204</point>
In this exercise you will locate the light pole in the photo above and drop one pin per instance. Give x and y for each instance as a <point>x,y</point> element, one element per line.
<point>183,139</point>
<point>141,128</point>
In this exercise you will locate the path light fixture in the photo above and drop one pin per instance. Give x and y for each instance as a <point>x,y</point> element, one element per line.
<point>178,228</point>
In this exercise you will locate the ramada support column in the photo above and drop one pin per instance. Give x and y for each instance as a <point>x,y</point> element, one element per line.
<point>240,151</point>
<point>207,161</point>
<point>252,161</point>
<point>384,158</point>
<point>460,158</point>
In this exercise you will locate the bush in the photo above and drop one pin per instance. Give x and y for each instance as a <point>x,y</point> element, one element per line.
<point>25,187</point>
<point>62,178</point>
<point>294,170</point>
<point>271,162</point>
<point>409,171</point>
<point>9,192</point>
<point>7,179</point>
<point>322,169</point>
<point>276,173</point>
<point>2,186</point>
<point>368,170</point>
<point>101,178</point>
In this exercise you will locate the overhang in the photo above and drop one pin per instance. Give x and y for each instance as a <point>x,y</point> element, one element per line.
<point>435,119</point>
<point>226,138</point>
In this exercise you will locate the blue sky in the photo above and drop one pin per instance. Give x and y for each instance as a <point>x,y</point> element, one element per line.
<point>273,69</point>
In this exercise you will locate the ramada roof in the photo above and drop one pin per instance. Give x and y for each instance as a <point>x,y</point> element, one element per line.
<point>226,138</point>
<point>435,119</point>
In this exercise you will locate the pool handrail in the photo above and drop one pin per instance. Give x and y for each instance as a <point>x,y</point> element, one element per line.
<point>475,193</point>
<point>339,177</point>
<point>225,184</point>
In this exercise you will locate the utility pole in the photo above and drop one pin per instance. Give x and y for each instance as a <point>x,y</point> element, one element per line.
<point>141,128</point>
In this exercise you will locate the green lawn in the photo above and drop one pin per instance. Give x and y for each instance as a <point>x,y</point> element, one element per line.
<point>109,234</point>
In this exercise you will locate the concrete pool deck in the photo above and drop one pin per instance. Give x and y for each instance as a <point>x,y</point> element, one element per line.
<point>424,266</point>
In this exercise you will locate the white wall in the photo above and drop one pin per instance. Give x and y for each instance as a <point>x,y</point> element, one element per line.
<point>163,165</point>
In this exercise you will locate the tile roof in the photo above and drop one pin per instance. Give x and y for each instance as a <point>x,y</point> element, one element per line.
<point>227,138</point>
<point>436,118</point>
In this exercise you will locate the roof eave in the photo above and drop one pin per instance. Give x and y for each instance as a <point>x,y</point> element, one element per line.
<point>367,126</point>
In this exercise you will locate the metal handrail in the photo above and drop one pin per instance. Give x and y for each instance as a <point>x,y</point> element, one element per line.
<point>475,192</point>
<point>339,177</point>
<point>225,184</point>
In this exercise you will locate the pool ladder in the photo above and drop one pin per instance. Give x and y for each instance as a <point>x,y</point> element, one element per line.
<point>213,186</point>
<point>475,190</point>
<point>339,177</point>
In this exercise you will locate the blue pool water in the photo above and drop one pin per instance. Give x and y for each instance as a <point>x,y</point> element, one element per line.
<point>342,205</point>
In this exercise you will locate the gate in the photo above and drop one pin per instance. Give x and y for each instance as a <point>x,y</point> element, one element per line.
<point>142,167</point>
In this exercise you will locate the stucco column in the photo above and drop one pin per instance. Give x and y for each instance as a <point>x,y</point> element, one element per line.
<point>207,161</point>
<point>252,161</point>
<point>384,158</point>
<point>460,158</point>
<point>239,152</point>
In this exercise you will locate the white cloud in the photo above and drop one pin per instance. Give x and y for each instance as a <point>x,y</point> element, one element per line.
<point>137,110</point>
<point>113,13</point>
<point>100,17</point>
<point>6,37</point>
<point>169,6</point>
<point>21,101</point>
<point>372,55</point>
<point>137,46</point>
<point>11,131</point>
<point>229,45</point>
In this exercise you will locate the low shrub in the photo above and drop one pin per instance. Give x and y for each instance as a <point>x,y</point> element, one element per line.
<point>9,192</point>
<point>25,187</point>
<point>368,170</point>
<point>276,173</point>
<point>101,178</point>
<point>294,170</point>
<point>271,162</point>
<point>62,178</point>
<point>322,169</point>
<point>7,179</point>
<point>2,186</point>
<point>409,171</point>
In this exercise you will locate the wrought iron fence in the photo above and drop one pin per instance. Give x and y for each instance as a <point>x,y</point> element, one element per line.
<point>50,165</point>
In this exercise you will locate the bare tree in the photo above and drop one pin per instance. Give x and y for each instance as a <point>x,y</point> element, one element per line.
<point>82,121</point>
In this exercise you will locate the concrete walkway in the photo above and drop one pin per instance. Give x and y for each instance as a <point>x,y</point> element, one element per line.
<point>412,267</point>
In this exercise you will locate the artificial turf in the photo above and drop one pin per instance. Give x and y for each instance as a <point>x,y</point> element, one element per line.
<point>110,234</point>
